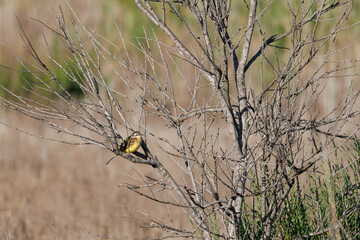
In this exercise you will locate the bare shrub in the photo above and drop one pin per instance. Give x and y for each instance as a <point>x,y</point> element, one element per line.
<point>241,141</point>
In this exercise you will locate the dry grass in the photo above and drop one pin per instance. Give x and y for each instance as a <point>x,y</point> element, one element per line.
<point>54,191</point>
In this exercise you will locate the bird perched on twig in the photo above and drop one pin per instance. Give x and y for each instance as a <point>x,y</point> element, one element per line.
<point>131,143</point>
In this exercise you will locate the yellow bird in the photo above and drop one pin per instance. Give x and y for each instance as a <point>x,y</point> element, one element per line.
<point>131,143</point>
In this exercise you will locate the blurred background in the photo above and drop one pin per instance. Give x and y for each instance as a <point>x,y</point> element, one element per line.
<point>50,190</point>
<point>56,191</point>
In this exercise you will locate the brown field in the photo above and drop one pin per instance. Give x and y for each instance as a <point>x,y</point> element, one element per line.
<point>50,190</point>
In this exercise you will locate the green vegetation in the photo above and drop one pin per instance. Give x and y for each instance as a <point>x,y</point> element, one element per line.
<point>307,206</point>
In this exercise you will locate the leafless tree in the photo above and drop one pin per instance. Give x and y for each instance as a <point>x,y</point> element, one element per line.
<point>247,119</point>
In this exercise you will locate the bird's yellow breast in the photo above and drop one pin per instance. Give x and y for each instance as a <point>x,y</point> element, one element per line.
<point>133,144</point>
